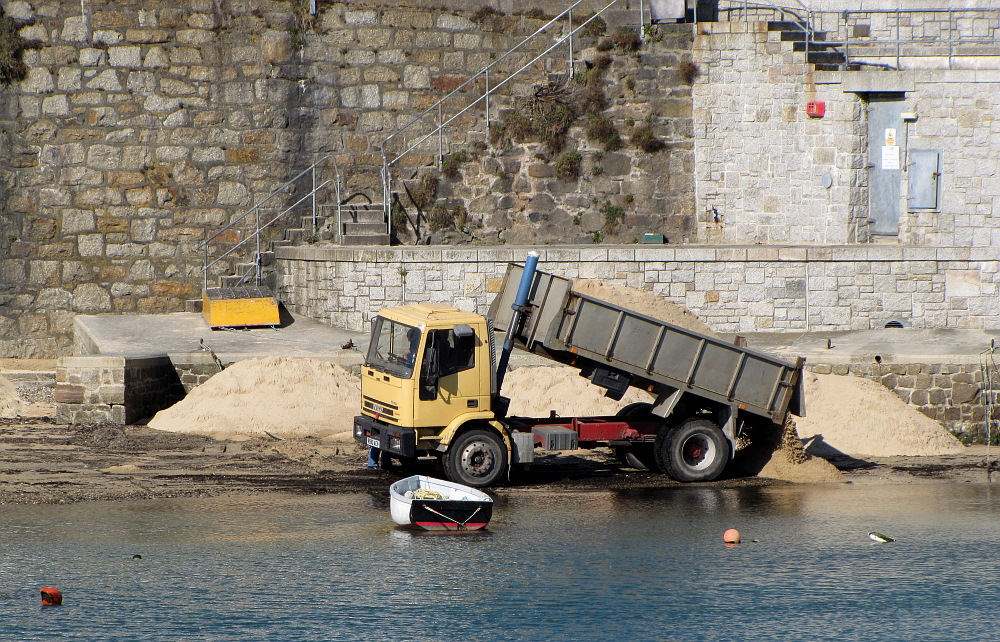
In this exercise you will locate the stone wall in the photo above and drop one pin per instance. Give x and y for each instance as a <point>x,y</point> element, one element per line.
<point>732,288</point>
<point>125,390</point>
<point>773,174</point>
<point>142,128</point>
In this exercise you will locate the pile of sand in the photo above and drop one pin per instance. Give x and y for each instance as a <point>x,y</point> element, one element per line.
<point>277,395</point>
<point>859,417</point>
<point>12,404</point>
<point>536,391</point>
<point>783,457</point>
<point>643,302</point>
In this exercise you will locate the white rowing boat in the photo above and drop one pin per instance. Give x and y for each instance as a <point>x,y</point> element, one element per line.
<point>431,504</point>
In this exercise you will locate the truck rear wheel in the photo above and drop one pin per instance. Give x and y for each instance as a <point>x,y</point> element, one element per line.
<point>476,458</point>
<point>695,450</point>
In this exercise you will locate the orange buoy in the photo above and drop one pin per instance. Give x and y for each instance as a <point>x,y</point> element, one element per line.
<point>732,536</point>
<point>51,597</point>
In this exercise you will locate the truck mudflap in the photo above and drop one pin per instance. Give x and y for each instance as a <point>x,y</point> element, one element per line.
<point>394,440</point>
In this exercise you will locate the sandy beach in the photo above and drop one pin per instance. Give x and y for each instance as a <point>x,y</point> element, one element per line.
<point>282,425</point>
<point>45,463</point>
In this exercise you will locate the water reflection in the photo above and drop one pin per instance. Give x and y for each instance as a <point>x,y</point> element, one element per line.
<point>568,565</point>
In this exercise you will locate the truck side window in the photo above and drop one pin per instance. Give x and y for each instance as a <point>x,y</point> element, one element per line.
<point>458,353</point>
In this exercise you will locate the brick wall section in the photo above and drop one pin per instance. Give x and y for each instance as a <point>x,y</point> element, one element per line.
<point>732,288</point>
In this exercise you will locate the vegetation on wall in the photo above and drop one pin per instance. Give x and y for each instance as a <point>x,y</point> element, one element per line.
<point>443,217</point>
<point>545,116</point>
<point>644,139</point>
<point>491,20</point>
<point>568,166</point>
<point>12,48</point>
<point>688,71</point>
<point>452,162</point>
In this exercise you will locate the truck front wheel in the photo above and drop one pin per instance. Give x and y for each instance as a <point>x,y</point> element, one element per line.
<point>695,450</point>
<point>476,458</point>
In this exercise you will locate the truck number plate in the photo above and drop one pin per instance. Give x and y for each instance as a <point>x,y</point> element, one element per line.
<point>371,441</point>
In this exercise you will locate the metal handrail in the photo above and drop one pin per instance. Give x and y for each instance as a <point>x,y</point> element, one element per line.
<point>259,229</point>
<point>437,108</point>
<point>950,34</point>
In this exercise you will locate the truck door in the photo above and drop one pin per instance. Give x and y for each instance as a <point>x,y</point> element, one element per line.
<point>450,383</point>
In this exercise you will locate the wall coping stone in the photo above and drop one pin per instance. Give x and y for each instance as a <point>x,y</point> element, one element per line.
<point>688,253</point>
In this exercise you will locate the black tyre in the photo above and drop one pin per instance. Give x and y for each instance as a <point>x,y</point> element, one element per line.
<point>637,409</point>
<point>476,458</point>
<point>695,450</point>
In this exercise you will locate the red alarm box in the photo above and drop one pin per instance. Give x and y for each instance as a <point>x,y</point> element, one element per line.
<point>815,109</point>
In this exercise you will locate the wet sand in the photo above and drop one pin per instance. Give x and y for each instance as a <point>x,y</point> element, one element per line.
<point>45,463</point>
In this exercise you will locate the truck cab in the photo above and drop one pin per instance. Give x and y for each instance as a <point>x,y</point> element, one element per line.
<point>428,371</point>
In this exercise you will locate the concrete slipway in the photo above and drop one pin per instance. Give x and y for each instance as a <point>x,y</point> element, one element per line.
<point>182,333</point>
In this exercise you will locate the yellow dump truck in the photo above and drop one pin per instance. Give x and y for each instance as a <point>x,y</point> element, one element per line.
<point>431,384</point>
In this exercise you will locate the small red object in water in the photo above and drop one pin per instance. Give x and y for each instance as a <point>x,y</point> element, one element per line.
<point>51,597</point>
<point>732,536</point>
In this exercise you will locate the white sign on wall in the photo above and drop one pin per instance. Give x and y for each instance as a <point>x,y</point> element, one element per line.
<point>890,137</point>
<point>890,157</point>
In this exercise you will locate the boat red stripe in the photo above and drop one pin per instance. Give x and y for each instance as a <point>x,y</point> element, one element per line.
<point>451,526</point>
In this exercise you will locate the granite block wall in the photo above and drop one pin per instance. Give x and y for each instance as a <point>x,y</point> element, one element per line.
<point>125,390</point>
<point>732,288</point>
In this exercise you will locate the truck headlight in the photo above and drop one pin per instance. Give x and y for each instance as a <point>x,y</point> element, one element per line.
<point>394,442</point>
<point>358,430</point>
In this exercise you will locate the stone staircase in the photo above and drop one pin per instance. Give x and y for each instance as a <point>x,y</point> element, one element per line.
<point>823,55</point>
<point>348,222</point>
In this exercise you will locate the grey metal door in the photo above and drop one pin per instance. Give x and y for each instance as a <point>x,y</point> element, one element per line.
<point>885,160</point>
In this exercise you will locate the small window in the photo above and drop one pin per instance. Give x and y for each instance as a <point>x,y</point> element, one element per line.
<point>458,350</point>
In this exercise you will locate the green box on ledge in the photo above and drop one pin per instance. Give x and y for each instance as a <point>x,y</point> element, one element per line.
<point>653,238</point>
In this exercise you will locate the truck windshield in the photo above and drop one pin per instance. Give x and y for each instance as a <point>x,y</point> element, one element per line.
<point>393,348</point>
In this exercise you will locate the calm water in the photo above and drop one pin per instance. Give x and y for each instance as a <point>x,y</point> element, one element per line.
<point>568,566</point>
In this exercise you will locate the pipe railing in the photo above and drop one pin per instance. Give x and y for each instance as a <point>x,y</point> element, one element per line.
<point>258,228</point>
<point>888,29</point>
<point>438,108</point>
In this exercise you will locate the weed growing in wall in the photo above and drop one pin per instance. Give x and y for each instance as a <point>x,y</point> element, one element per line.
<point>596,28</point>
<point>546,116</point>
<point>643,138</point>
<point>601,129</point>
<point>443,217</point>
<point>688,71</point>
<point>452,162</point>
<point>491,20</point>
<point>425,191</point>
<point>626,40</point>
<point>613,215</point>
<point>568,166</point>
<point>12,48</point>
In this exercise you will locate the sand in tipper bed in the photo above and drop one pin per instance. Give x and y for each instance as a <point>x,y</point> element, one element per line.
<point>643,302</point>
